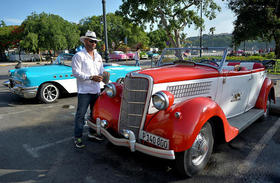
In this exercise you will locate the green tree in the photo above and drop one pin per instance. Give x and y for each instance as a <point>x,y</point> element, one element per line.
<point>117,29</point>
<point>158,39</point>
<point>10,37</point>
<point>2,24</point>
<point>5,42</point>
<point>172,16</point>
<point>49,32</point>
<point>256,19</point>
<point>30,42</point>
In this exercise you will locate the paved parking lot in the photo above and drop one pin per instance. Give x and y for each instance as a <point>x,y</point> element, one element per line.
<point>36,146</point>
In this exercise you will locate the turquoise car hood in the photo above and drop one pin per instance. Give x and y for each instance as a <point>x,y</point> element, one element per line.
<point>40,74</point>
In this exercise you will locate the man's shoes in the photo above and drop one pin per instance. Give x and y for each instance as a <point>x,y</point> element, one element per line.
<point>79,143</point>
<point>94,136</point>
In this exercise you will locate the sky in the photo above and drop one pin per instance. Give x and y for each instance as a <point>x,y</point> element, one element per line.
<point>13,12</point>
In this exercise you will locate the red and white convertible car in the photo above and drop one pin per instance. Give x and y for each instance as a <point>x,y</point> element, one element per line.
<point>177,110</point>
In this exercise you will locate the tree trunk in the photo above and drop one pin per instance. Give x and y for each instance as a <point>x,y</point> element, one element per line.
<point>277,46</point>
<point>19,53</point>
<point>177,39</point>
<point>3,56</point>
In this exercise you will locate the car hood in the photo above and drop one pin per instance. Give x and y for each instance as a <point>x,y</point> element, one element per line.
<point>175,73</point>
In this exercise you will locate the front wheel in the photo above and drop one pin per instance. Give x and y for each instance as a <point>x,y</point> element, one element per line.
<point>48,93</point>
<point>193,160</point>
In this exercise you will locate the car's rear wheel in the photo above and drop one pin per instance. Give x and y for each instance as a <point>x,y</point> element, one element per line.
<point>193,160</point>
<point>48,93</point>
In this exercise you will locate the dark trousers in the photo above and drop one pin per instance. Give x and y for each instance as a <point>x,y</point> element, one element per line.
<point>137,63</point>
<point>84,100</point>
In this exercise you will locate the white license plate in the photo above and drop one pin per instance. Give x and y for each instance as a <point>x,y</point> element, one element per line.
<point>154,139</point>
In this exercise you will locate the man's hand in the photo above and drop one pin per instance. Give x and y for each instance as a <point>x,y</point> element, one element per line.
<point>96,78</point>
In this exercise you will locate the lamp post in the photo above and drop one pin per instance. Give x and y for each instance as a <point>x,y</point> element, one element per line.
<point>105,30</point>
<point>200,37</point>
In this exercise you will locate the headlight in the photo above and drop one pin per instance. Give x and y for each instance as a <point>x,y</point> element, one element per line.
<point>160,100</point>
<point>110,90</point>
<point>23,76</point>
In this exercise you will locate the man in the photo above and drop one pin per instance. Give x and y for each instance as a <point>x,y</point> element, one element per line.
<point>87,67</point>
<point>137,56</point>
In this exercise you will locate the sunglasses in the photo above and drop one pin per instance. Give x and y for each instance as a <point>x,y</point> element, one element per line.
<point>92,41</point>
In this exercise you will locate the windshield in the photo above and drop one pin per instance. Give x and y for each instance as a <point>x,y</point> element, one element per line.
<point>213,57</point>
<point>62,58</point>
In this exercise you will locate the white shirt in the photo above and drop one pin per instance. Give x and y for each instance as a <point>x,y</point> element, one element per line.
<point>84,66</point>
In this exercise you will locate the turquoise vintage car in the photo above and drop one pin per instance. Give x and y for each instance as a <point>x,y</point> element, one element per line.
<point>47,82</point>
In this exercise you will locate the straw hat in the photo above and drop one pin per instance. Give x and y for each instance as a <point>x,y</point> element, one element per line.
<point>89,35</point>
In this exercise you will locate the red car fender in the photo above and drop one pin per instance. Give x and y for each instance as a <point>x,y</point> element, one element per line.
<point>109,108</point>
<point>182,131</point>
<point>262,99</point>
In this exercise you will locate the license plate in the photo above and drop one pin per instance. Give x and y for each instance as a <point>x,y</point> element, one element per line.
<point>154,139</point>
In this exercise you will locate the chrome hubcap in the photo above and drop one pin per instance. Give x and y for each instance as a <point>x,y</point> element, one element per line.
<point>50,93</point>
<point>199,149</point>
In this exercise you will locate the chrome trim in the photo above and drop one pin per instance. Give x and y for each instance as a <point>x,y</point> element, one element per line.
<point>98,126</point>
<point>19,89</point>
<point>160,153</point>
<point>164,98</point>
<point>131,138</point>
<point>148,98</point>
<point>26,92</point>
<point>6,83</point>
<point>112,87</point>
<point>177,115</point>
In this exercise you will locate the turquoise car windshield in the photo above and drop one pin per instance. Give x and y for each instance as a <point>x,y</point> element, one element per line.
<point>62,58</point>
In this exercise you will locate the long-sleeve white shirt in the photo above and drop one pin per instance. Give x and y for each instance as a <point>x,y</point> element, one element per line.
<point>84,66</point>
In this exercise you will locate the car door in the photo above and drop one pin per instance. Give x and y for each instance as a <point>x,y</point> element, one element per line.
<point>234,91</point>
<point>256,81</point>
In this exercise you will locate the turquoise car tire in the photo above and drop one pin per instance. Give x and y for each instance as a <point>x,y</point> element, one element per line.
<point>194,159</point>
<point>48,93</point>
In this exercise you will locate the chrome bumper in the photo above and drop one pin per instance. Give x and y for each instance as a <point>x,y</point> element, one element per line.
<point>26,92</point>
<point>6,83</point>
<point>131,142</point>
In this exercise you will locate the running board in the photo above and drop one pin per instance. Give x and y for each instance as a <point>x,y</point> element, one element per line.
<point>241,122</point>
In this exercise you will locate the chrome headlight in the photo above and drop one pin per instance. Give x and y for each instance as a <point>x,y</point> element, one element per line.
<point>160,100</point>
<point>23,76</point>
<point>110,90</point>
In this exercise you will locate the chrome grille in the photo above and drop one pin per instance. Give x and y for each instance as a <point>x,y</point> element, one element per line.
<point>133,103</point>
<point>192,89</point>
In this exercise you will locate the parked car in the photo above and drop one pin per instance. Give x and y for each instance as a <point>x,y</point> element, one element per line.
<point>152,54</point>
<point>130,54</point>
<point>47,82</point>
<point>24,57</point>
<point>181,108</point>
<point>143,55</point>
<point>118,55</point>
